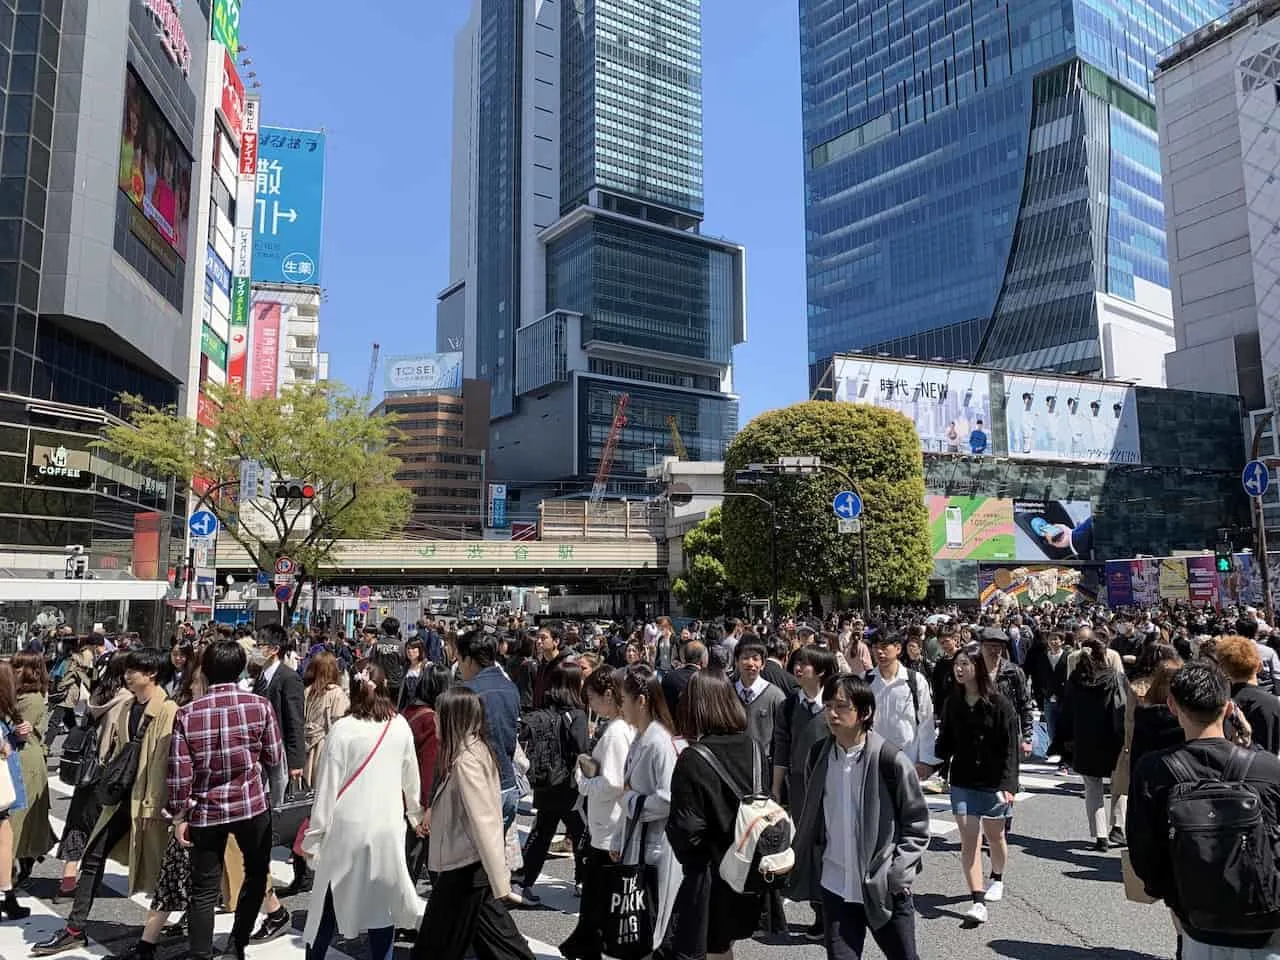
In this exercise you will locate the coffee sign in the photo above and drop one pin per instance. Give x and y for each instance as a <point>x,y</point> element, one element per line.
<point>60,467</point>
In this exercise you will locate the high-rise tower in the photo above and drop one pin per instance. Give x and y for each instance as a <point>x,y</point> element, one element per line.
<point>982,181</point>
<point>578,269</point>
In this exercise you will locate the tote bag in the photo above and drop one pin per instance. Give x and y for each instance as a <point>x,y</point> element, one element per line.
<point>630,909</point>
<point>8,793</point>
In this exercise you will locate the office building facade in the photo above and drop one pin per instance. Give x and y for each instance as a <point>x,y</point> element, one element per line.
<point>579,274</point>
<point>983,182</point>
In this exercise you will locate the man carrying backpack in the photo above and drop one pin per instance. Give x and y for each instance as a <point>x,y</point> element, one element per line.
<point>904,706</point>
<point>1201,824</point>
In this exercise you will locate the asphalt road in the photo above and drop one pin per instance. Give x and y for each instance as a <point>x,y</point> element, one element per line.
<point>1063,900</point>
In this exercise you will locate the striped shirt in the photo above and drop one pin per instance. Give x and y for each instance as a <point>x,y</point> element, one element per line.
<point>221,743</point>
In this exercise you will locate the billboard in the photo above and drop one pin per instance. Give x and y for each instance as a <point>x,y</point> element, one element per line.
<point>1173,579</point>
<point>232,105</point>
<point>1055,530</point>
<point>1202,581</point>
<point>1047,418</point>
<point>1034,584</point>
<point>950,406</point>
<point>971,528</point>
<point>264,355</point>
<point>155,168</point>
<point>424,371</point>
<point>498,506</point>
<point>289,206</point>
<point>226,24</point>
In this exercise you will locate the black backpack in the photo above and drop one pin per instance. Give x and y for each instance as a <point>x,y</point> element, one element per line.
<point>913,677</point>
<point>80,745</point>
<point>1223,849</point>
<point>542,734</point>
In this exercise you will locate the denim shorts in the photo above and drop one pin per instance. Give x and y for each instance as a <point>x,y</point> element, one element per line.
<point>971,802</point>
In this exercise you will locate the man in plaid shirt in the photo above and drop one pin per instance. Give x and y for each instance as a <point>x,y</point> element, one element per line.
<point>225,746</point>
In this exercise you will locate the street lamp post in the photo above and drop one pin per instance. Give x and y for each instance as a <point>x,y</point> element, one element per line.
<point>745,478</point>
<point>807,466</point>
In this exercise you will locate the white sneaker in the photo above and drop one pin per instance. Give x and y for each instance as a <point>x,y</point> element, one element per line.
<point>977,912</point>
<point>995,891</point>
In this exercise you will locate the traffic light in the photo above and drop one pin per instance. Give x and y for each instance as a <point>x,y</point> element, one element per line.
<point>293,490</point>
<point>1222,558</point>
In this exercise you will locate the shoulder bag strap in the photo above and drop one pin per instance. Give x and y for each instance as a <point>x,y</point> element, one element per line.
<point>1182,773</point>
<point>1237,768</point>
<point>714,763</point>
<point>360,769</point>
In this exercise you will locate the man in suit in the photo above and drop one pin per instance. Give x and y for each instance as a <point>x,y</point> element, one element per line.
<point>281,686</point>
<point>775,668</point>
<point>693,657</point>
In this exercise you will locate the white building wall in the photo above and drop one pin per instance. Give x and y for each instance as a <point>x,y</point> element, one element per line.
<point>540,150</point>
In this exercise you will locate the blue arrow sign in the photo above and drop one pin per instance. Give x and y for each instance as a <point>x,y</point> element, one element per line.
<point>847,505</point>
<point>203,523</point>
<point>1256,478</point>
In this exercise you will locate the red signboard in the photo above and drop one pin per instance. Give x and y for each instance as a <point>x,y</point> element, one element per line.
<point>232,97</point>
<point>237,358</point>
<point>264,355</point>
<point>206,411</point>
<point>249,139</point>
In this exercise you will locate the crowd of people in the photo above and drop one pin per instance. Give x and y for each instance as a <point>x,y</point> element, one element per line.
<point>409,752</point>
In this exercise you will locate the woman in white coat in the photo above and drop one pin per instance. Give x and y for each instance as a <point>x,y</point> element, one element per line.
<point>647,796</point>
<point>367,783</point>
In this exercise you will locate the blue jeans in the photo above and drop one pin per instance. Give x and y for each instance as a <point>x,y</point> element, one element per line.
<point>510,807</point>
<point>382,940</point>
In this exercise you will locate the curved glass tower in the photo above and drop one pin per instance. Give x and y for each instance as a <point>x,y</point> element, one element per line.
<point>982,180</point>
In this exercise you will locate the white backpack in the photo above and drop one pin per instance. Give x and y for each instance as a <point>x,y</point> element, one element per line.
<point>763,833</point>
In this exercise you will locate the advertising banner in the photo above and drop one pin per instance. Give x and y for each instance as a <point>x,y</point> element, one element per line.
<point>290,206</point>
<point>426,371</point>
<point>950,406</point>
<point>264,355</point>
<point>1202,580</point>
<point>1078,420</point>
<point>226,24</point>
<point>498,506</point>
<point>249,139</point>
<point>155,168</point>
<point>238,357</point>
<point>1243,584</point>
<point>1054,530</point>
<point>971,528</point>
<point>232,105</point>
<point>1033,584</point>
<point>1119,583</point>
<point>1173,578</point>
<point>217,271</point>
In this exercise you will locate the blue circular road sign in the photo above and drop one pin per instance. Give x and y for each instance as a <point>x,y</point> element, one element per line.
<point>847,505</point>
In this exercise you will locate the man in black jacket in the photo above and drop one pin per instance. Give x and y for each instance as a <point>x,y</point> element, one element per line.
<point>693,657</point>
<point>1199,698</point>
<point>282,687</point>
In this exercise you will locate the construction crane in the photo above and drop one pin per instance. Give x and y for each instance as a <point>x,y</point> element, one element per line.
<point>610,447</point>
<point>373,371</point>
<point>677,441</point>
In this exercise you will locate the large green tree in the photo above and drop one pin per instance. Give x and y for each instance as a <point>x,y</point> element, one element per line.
<point>881,451</point>
<point>704,588</point>
<point>318,433</point>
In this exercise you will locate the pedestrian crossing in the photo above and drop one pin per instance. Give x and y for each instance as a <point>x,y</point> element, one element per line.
<point>1035,779</point>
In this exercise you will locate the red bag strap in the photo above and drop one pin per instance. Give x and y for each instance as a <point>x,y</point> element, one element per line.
<point>360,769</point>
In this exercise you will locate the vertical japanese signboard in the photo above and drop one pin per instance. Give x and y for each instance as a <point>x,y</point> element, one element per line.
<point>290,206</point>
<point>242,258</point>
<point>265,353</point>
<point>226,24</point>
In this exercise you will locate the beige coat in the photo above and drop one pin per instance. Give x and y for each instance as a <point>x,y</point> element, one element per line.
<point>466,819</point>
<point>1120,777</point>
<point>143,850</point>
<point>323,709</point>
<point>32,834</point>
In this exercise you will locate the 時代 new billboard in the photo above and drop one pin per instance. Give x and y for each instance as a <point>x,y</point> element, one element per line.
<point>289,206</point>
<point>1048,418</point>
<point>950,406</point>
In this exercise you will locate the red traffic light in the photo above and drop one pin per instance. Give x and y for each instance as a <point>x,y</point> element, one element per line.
<point>308,491</point>
<point>294,490</point>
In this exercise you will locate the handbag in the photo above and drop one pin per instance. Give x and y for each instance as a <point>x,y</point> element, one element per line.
<point>306,822</point>
<point>629,900</point>
<point>120,772</point>
<point>292,812</point>
<point>8,792</point>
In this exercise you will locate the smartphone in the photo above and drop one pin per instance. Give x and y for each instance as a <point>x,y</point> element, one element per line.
<point>1040,519</point>
<point>955,527</point>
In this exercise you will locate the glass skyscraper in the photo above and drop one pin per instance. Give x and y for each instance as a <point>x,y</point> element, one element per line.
<point>579,270</point>
<point>982,179</point>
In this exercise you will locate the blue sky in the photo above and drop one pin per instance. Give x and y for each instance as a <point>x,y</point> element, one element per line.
<point>381,85</point>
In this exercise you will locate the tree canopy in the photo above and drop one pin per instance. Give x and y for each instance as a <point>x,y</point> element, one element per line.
<point>704,589</point>
<point>881,451</point>
<point>318,433</point>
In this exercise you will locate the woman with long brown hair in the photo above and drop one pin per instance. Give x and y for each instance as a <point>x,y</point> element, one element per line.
<point>13,734</point>
<point>325,704</point>
<point>366,784</point>
<point>467,855</point>
<point>32,834</point>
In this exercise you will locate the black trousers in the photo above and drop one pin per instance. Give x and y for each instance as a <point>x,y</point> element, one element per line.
<point>463,916</point>
<point>94,862</point>
<point>585,942</point>
<point>553,809</point>
<point>208,845</point>
<point>846,929</point>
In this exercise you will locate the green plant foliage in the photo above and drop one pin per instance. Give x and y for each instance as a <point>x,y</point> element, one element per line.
<point>704,589</point>
<point>316,432</point>
<point>881,451</point>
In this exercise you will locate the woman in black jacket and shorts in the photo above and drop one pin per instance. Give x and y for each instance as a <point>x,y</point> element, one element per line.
<point>981,737</point>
